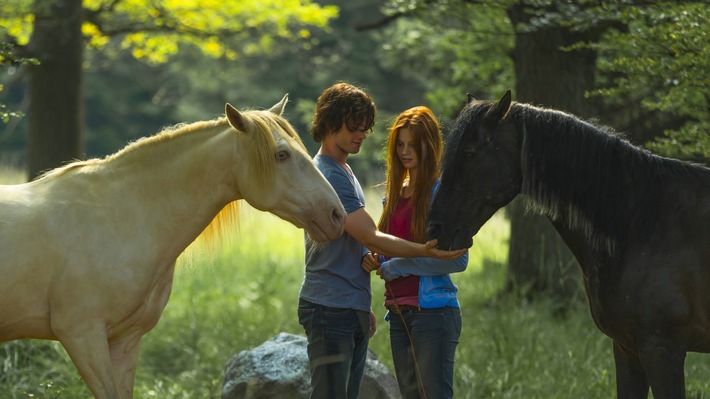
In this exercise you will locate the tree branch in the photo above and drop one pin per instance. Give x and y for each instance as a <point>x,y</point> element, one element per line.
<point>382,22</point>
<point>424,5</point>
<point>170,25</point>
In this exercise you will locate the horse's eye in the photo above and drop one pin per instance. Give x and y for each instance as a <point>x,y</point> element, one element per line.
<point>282,155</point>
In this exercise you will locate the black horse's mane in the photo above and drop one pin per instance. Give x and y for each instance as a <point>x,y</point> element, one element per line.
<point>586,176</point>
<point>591,177</point>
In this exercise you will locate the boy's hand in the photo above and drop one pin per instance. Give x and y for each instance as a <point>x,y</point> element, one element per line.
<point>369,262</point>
<point>434,252</point>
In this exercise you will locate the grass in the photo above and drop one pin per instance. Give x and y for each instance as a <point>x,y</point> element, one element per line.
<point>247,292</point>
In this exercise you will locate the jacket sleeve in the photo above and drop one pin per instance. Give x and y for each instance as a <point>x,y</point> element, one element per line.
<point>402,267</point>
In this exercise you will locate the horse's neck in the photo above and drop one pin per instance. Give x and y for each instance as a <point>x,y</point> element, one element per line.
<point>195,160</point>
<point>558,180</point>
<point>177,186</point>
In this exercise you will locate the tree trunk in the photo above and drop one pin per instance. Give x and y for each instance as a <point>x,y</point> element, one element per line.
<point>546,76</point>
<point>55,87</point>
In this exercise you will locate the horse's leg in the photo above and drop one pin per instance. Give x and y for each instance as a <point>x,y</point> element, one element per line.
<point>665,370</point>
<point>87,345</point>
<point>124,356</point>
<point>631,382</point>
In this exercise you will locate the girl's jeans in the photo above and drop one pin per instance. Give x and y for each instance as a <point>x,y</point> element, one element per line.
<point>434,336</point>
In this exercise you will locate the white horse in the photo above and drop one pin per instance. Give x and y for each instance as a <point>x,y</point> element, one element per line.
<point>88,251</point>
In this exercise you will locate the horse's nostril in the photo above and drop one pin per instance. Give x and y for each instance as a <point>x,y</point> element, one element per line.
<point>337,216</point>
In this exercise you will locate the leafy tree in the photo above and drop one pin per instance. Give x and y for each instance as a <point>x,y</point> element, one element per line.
<point>450,48</point>
<point>663,57</point>
<point>57,32</point>
<point>8,59</point>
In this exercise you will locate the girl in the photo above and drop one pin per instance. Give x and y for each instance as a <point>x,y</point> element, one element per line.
<point>424,314</point>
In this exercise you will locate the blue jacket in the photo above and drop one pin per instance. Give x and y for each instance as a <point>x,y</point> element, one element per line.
<point>436,290</point>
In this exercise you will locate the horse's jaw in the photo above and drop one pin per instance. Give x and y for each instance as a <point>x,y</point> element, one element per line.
<point>457,235</point>
<point>319,231</point>
<point>458,239</point>
<point>454,227</point>
<point>319,228</point>
<point>322,220</point>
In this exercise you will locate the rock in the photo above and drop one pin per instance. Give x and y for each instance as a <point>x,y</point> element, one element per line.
<point>278,368</point>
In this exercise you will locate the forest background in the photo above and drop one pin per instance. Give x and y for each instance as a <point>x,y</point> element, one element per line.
<point>127,68</point>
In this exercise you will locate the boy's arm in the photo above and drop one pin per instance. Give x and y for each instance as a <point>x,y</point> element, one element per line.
<point>361,226</point>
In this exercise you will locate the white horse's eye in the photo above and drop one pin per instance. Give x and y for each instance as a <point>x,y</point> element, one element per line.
<point>282,155</point>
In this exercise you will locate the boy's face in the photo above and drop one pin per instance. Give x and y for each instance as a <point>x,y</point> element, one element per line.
<point>350,141</point>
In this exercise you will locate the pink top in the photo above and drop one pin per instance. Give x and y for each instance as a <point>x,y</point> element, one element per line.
<point>405,290</point>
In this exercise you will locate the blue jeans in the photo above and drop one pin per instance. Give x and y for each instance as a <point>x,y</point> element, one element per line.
<point>434,336</point>
<point>337,349</point>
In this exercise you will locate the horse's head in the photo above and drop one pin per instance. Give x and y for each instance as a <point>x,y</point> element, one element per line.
<point>279,175</point>
<point>481,172</point>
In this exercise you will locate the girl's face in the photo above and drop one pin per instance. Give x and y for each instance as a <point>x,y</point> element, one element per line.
<point>405,149</point>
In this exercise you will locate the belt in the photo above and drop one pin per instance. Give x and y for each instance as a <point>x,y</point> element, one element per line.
<point>402,308</point>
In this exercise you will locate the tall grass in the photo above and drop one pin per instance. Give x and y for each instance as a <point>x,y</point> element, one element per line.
<point>247,292</point>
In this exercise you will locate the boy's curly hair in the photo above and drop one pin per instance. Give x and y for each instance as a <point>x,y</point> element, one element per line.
<point>342,103</point>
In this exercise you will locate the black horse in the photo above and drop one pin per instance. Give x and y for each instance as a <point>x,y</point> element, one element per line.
<point>639,225</point>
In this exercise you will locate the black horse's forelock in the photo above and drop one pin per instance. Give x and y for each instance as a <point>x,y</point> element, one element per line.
<point>461,128</point>
<point>589,177</point>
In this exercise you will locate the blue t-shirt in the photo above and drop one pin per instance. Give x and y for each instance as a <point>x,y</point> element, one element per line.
<point>334,276</point>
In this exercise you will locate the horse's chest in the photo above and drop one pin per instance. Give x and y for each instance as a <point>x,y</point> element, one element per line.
<point>146,306</point>
<point>610,303</point>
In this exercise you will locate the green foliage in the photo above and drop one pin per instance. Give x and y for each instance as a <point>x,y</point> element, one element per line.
<point>451,48</point>
<point>125,99</point>
<point>8,59</point>
<point>154,30</point>
<point>663,57</point>
<point>655,54</point>
<point>5,114</point>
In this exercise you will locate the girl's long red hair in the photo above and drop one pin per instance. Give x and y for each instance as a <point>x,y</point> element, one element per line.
<point>428,146</point>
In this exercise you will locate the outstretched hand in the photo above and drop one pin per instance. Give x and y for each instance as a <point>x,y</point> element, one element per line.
<point>435,252</point>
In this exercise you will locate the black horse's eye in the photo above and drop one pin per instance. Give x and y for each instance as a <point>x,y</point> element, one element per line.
<point>282,155</point>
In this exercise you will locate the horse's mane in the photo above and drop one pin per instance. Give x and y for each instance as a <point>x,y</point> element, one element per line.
<point>570,167</point>
<point>260,157</point>
<point>166,134</point>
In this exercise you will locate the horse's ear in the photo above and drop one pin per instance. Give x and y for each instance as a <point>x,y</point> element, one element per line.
<point>500,109</point>
<point>236,119</point>
<point>471,98</point>
<point>278,108</point>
